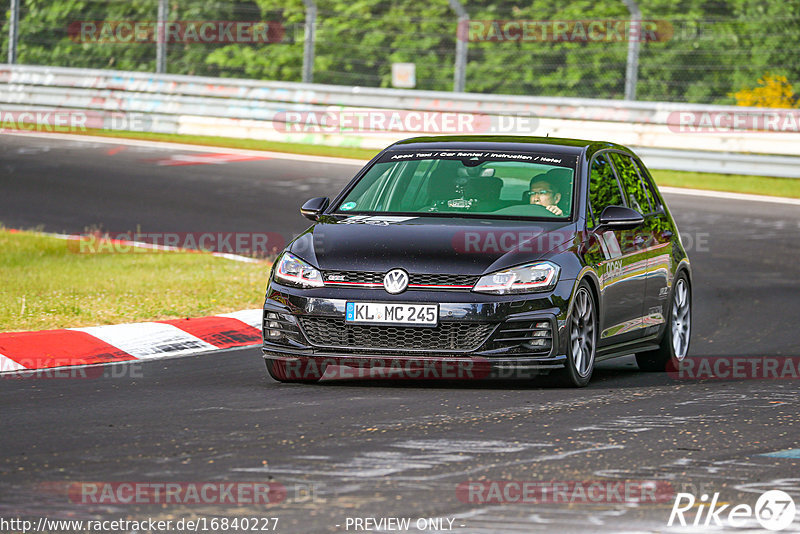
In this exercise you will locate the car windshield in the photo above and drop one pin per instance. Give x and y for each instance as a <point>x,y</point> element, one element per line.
<point>465,182</point>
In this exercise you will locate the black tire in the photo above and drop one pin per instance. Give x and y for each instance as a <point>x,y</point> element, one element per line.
<point>304,371</point>
<point>679,323</point>
<point>582,342</point>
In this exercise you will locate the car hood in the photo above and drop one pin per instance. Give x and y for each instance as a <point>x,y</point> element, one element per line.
<point>428,244</point>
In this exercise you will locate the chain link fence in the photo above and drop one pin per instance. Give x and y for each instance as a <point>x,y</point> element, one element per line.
<point>701,52</point>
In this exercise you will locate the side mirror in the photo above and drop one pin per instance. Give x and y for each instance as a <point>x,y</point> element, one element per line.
<point>313,208</point>
<point>619,218</point>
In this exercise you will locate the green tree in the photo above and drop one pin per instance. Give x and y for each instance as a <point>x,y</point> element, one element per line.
<point>711,50</point>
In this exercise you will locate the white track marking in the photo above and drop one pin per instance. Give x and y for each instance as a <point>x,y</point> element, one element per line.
<point>249,317</point>
<point>468,446</point>
<point>9,365</point>
<point>195,148</point>
<point>148,340</point>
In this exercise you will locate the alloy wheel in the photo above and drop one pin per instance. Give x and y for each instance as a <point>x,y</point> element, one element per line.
<point>582,332</point>
<point>681,320</point>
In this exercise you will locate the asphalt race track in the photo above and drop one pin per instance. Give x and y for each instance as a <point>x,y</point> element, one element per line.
<point>378,449</point>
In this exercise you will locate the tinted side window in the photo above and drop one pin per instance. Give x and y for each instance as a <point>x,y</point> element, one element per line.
<point>635,192</point>
<point>647,181</point>
<point>603,189</point>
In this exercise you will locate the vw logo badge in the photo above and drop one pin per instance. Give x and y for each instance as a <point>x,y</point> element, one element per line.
<point>395,281</point>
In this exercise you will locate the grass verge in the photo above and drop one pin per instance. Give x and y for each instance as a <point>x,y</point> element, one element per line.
<point>757,185</point>
<point>46,285</point>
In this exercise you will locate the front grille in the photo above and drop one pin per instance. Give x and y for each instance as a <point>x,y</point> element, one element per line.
<point>334,332</point>
<point>451,282</point>
<point>443,280</point>
<point>526,336</point>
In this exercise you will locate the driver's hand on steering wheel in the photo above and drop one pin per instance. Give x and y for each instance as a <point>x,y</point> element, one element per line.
<point>555,210</point>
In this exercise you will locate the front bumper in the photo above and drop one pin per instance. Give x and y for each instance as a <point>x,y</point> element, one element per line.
<point>503,345</point>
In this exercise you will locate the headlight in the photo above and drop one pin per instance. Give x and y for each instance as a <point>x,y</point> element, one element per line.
<point>293,271</point>
<point>539,276</point>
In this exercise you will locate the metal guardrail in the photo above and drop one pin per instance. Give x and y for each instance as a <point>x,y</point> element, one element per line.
<point>705,161</point>
<point>257,109</point>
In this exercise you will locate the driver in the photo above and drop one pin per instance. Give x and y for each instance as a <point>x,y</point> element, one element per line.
<point>543,193</point>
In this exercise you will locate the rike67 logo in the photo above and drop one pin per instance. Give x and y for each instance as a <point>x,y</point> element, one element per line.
<point>774,510</point>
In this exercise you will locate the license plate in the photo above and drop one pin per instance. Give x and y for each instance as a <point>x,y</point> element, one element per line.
<point>383,313</point>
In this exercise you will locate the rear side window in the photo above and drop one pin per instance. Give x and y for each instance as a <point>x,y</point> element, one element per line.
<point>635,190</point>
<point>647,181</point>
<point>603,189</point>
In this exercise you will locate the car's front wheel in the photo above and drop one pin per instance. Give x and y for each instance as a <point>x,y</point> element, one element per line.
<point>301,370</point>
<point>675,342</point>
<point>582,344</point>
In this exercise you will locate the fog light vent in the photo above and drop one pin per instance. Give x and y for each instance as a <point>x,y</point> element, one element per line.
<point>280,327</point>
<point>529,336</point>
<point>273,328</point>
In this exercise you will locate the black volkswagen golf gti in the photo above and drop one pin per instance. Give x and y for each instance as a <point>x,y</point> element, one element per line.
<point>466,256</point>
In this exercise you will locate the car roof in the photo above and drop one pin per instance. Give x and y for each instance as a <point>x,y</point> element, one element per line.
<point>554,145</point>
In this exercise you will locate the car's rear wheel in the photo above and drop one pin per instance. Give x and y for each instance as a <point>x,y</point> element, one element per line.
<point>674,344</point>
<point>582,344</point>
<point>302,370</point>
